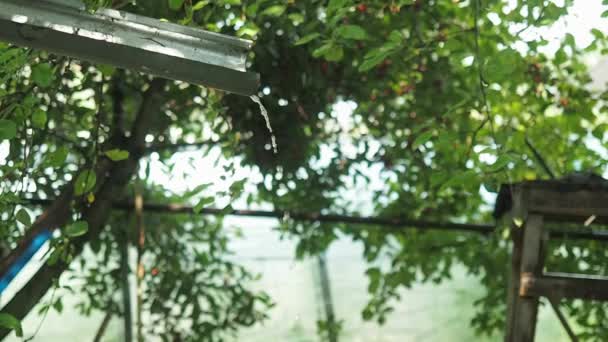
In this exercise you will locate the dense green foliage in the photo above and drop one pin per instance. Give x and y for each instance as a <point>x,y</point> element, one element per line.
<point>449,99</point>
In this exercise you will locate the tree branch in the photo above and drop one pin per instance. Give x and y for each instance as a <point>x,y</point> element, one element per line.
<point>112,178</point>
<point>539,158</point>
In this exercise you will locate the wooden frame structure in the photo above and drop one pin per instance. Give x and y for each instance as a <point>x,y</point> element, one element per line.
<point>579,198</point>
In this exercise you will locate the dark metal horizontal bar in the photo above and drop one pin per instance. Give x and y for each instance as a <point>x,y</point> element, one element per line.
<point>299,216</point>
<point>393,223</point>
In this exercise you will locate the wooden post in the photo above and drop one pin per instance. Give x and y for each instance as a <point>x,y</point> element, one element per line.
<point>573,198</point>
<point>526,308</point>
<point>513,290</point>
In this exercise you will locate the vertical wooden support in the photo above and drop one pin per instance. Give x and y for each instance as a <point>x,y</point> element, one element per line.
<point>513,290</point>
<point>526,308</point>
<point>573,198</point>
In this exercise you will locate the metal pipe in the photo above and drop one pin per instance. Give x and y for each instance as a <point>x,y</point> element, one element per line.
<point>129,41</point>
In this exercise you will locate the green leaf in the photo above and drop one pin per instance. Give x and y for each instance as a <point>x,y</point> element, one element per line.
<point>39,118</point>
<point>58,305</point>
<point>505,65</point>
<point>43,75</point>
<point>24,217</point>
<point>249,29</point>
<point>335,5</point>
<point>330,51</point>
<point>437,178</point>
<point>422,139</point>
<point>274,11</point>
<point>395,38</point>
<point>85,182</point>
<point>77,228</point>
<point>353,32</point>
<point>176,5</point>
<point>491,186</point>
<point>500,163</point>
<point>605,14</point>
<point>597,33</point>
<point>296,18</point>
<point>462,179</point>
<point>10,322</point>
<point>205,201</point>
<point>307,38</point>
<point>322,50</point>
<point>57,158</point>
<point>335,54</point>
<point>237,188</point>
<point>117,155</point>
<point>8,129</point>
<point>106,70</point>
<point>199,5</point>
<point>196,190</point>
<point>374,58</point>
<point>374,275</point>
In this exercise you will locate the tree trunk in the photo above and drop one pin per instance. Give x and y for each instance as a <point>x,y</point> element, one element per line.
<point>112,179</point>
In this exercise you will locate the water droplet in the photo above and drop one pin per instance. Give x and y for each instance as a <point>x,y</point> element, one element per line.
<point>264,113</point>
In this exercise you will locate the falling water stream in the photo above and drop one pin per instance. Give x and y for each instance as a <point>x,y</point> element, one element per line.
<point>264,113</point>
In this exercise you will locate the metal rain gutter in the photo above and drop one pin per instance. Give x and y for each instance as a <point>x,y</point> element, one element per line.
<point>129,41</point>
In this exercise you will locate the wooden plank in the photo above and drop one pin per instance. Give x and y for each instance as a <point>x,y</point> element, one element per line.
<point>578,205</point>
<point>526,308</point>
<point>564,285</point>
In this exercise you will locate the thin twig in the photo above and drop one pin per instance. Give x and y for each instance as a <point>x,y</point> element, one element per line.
<point>482,89</point>
<point>555,305</point>
<point>46,311</point>
<point>102,328</point>
<point>182,146</point>
<point>539,158</point>
<point>474,137</point>
<point>535,23</point>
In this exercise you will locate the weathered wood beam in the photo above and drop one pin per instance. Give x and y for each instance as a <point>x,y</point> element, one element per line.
<point>514,277</point>
<point>565,285</point>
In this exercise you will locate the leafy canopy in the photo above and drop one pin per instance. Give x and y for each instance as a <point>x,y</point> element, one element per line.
<point>451,97</point>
